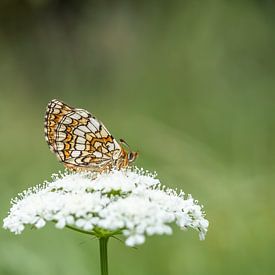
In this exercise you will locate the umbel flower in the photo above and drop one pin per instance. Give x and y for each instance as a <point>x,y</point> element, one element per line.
<point>131,202</point>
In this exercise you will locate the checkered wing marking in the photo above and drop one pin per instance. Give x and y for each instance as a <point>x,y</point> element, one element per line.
<point>78,138</point>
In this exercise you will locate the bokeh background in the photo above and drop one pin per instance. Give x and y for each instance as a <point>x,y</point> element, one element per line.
<point>189,84</point>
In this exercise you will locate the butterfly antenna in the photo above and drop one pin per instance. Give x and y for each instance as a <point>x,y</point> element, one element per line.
<point>125,143</point>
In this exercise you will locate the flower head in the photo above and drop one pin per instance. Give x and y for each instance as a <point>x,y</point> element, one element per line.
<point>131,202</point>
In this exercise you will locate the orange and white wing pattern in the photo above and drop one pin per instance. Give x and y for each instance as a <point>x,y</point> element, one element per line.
<point>80,140</point>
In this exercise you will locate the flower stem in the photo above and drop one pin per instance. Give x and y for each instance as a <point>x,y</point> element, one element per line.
<point>103,241</point>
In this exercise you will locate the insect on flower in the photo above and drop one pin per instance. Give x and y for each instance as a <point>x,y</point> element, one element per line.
<point>81,141</point>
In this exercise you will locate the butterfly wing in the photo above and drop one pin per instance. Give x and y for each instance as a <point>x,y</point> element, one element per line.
<point>79,139</point>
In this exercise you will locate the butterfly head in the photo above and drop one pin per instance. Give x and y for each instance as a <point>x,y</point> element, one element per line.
<point>130,156</point>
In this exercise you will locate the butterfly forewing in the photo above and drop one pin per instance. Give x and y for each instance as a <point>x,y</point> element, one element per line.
<point>78,138</point>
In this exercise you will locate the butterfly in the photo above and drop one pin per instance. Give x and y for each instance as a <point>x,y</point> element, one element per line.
<point>81,142</point>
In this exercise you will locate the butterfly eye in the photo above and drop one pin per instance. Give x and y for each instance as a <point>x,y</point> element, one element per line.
<point>132,156</point>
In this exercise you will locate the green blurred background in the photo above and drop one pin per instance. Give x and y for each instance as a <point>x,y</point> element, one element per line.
<point>189,84</point>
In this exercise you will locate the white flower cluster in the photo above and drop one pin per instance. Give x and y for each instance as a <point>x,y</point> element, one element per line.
<point>131,202</point>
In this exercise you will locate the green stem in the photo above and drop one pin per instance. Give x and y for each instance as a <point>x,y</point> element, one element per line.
<point>103,242</point>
